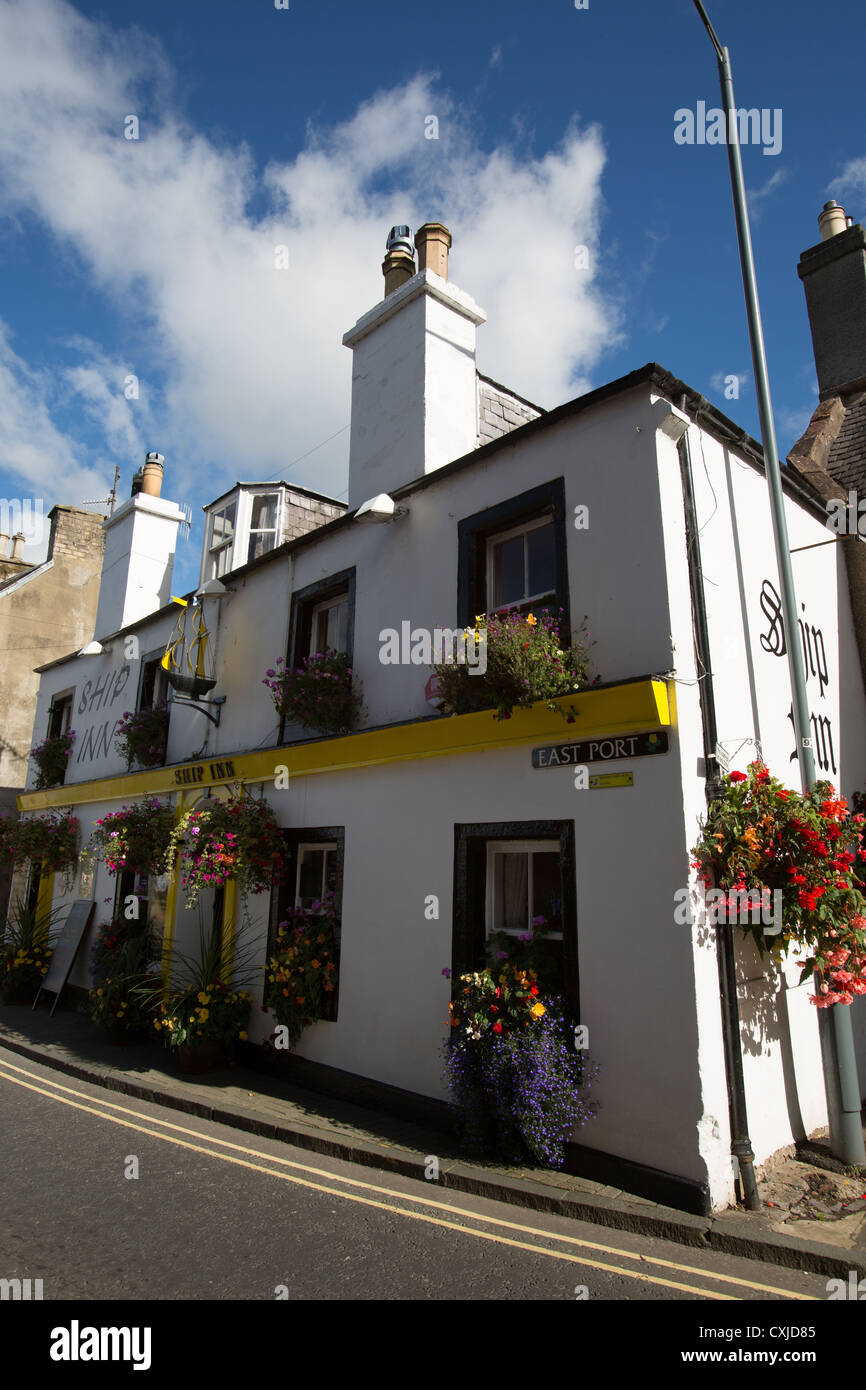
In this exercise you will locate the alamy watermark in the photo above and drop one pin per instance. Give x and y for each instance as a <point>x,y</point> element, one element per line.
<point>422,647</point>
<point>710,127</point>
<point>22,516</point>
<point>742,907</point>
<point>847,518</point>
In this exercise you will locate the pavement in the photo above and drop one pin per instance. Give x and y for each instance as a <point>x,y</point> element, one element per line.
<point>813,1217</point>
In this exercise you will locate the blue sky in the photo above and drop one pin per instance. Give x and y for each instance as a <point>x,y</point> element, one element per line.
<point>307,127</point>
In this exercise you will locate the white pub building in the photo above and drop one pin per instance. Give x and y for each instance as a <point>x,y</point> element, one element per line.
<point>640,505</point>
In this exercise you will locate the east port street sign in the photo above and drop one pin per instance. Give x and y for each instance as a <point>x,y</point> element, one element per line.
<point>601,750</point>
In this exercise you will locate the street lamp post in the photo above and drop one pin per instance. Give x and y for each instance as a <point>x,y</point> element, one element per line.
<point>837,1039</point>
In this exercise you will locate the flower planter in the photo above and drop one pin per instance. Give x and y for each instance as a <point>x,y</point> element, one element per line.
<point>19,994</point>
<point>195,1058</point>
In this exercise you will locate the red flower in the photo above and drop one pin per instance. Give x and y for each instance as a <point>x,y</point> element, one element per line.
<point>497,1027</point>
<point>736,777</point>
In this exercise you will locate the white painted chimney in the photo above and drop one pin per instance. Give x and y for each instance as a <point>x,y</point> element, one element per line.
<point>414,404</point>
<point>140,541</point>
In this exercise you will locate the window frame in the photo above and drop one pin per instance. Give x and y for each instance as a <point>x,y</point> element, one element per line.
<point>303,605</point>
<point>262,530</point>
<point>211,565</point>
<point>530,847</point>
<point>470,903</point>
<point>294,840</point>
<point>61,700</point>
<point>499,538</point>
<point>149,659</point>
<point>474,534</point>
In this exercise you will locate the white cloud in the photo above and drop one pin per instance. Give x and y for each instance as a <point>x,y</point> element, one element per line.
<point>852,177</point>
<point>757,197</point>
<point>253,367</point>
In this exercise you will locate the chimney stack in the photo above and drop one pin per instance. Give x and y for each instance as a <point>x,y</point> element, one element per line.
<point>432,242</point>
<point>140,540</point>
<point>399,264</point>
<point>17,541</point>
<point>414,384</point>
<point>834,279</point>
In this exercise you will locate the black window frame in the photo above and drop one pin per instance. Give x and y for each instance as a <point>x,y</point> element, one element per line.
<point>474,532</point>
<point>303,603</point>
<point>151,659</point>
<point>61,700</point>
<point>469,925</point>
<point>283,893</point>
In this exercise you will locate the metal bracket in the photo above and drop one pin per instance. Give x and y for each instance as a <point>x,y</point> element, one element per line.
<point>219,701</point>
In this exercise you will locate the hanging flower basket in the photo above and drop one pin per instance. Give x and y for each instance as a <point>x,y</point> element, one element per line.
<point>525,660</point>
<point>134,838</point>
<point>51,839</point>
<point>234,839</point>
<point>141,736</point>
<point>319,694</point>
<point>760,839</point>
<point>51,758</point>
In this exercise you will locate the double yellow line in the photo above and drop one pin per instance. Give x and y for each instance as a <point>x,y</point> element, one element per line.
<point>287,1170</point>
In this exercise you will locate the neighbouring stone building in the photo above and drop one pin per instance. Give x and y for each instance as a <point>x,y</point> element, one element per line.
<point>46,610</point>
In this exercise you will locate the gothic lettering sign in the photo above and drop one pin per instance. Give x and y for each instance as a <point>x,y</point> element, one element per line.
<point>600,750</point>
<point>816,669</point>
<point>198,773</point>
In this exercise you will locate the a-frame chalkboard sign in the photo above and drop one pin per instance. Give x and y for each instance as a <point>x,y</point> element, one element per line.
<point>65,951</point>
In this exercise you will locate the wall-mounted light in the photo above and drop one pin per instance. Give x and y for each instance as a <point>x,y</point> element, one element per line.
<point>92,649</point>
<point>380,508</point>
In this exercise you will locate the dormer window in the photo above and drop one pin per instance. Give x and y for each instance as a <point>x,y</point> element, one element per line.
<point>255,519</point>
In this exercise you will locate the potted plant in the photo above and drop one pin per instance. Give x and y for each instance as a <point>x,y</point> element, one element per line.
<point>51,757</point>
<point>204,1013</point>
<point>302,973</point>
<point>516,1081</point>
<point>319,694</point>
<point>124,974</point>
<point>25,952</point>
<point>760,838</point>
<point>238,838</point>
<point>141,735</point>
<point>134,838</point>
<point>51,839</point>
<point>527,659</point>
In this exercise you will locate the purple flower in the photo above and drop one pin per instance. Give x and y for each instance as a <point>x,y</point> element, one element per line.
<point>502,955</point>
<point>525,936</point>
<point>447,973</point>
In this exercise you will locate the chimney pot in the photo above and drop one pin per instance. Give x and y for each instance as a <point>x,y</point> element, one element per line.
<point>17,541</point>
<point>397,267</point>
<point>151,477</point>
<point>832,220</point>
<point>433,241</point>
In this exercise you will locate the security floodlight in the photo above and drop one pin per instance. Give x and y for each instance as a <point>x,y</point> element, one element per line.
<point>92,649</point>
<point>380,508</point>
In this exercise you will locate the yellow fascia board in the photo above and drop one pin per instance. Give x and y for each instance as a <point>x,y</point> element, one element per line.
<point>618,709</point>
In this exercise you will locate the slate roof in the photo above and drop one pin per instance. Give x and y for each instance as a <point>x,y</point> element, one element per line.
<point>847,461</point>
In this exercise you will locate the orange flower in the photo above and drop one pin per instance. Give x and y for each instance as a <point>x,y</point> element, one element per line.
<point>531,619</point>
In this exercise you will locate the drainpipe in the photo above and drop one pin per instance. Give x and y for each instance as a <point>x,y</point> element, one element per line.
<point>741,1145</point>
<point>837,1037</point>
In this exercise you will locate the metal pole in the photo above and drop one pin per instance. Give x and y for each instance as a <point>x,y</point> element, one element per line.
<point>846,1133</point>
